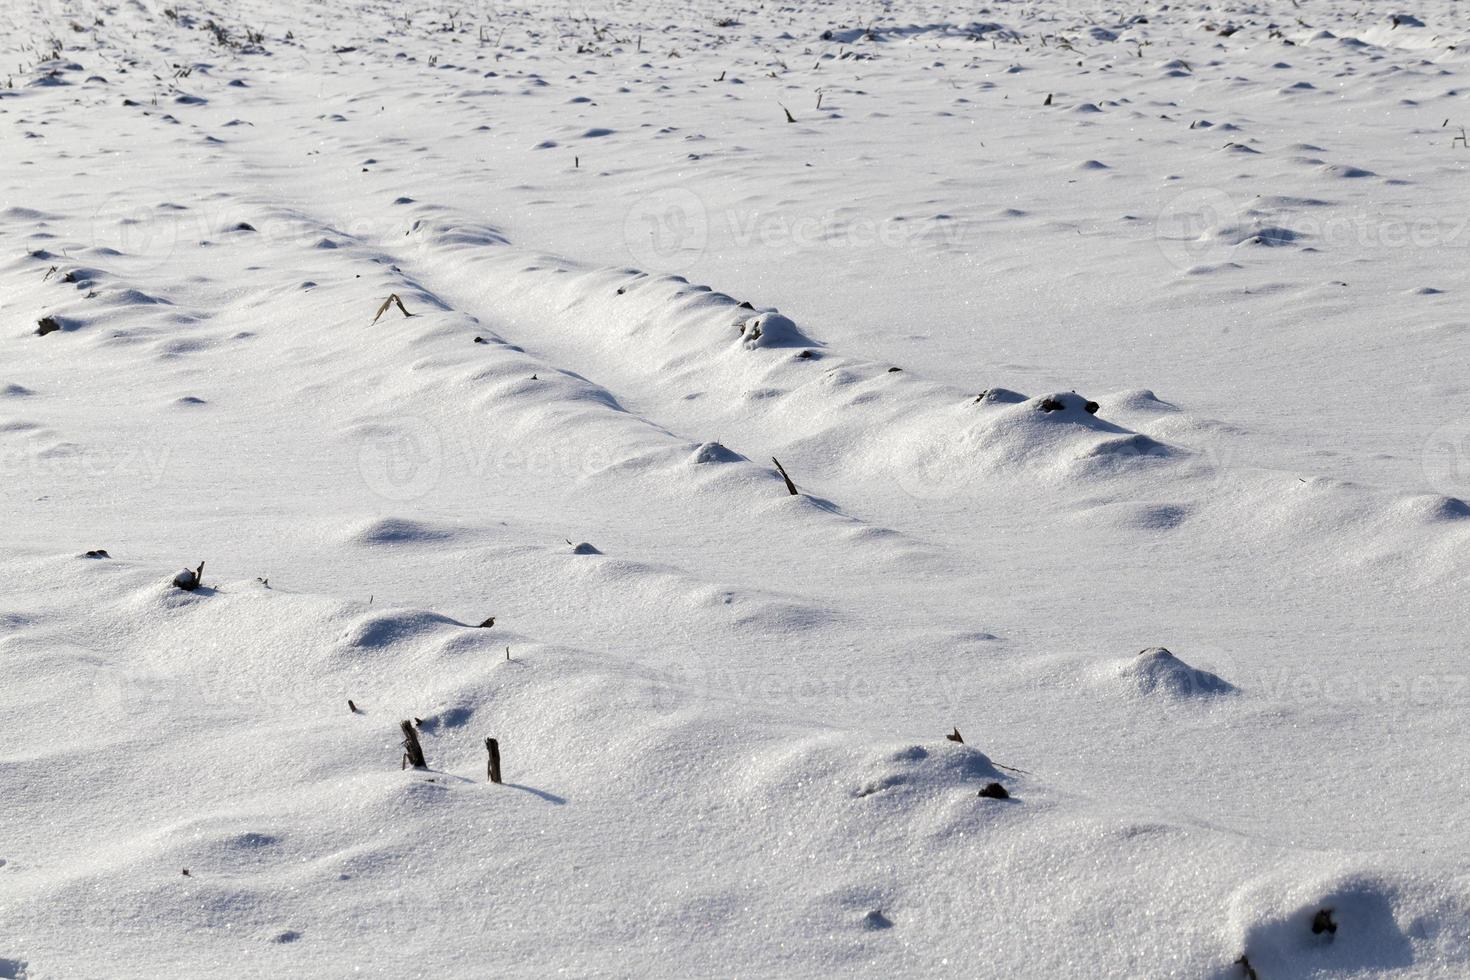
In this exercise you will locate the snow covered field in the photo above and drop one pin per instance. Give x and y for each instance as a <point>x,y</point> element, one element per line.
<point>1082,330</point>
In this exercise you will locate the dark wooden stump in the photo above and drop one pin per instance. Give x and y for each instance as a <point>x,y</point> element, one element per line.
<point>413,752</point>
<point>493,766</point>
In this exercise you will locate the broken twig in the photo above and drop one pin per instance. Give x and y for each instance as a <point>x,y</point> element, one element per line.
<point>790,487</point>
<point>391,300</point>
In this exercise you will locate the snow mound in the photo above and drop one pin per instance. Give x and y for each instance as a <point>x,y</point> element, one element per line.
<point>999,396</point>
<point>1061,428</point>
<point>1269,235</point>
<point>399,531</point>
<point>1001,432</point>
<point>1140,516</point>
<point>1432,508</point>
<point>713,452</point>
<point>1344,171</point>
<point>1137,400</point>
<point>391,627</point>
<point>1156,671</point>
<point>1353,922</point>
<point>918,769</point>
<point>771,330</point>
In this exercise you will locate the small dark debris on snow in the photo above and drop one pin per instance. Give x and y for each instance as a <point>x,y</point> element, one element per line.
<point>487,623</point>
<point>481,340</point>
<point>893,370</point>
<point>875,919</point>
<point>955,736</point>
<point>745,305</point>
<point>584,549</point>
<point>804,355</point>
<point>45,325</point>
<point>1323,922</point>
<point>994,791</point>
<point>1051,405</point>
<point>97,553</point>
<point>243,226</point>
<point>352,707</point>
<point>1091,408</point>
<point>1245,967</point>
